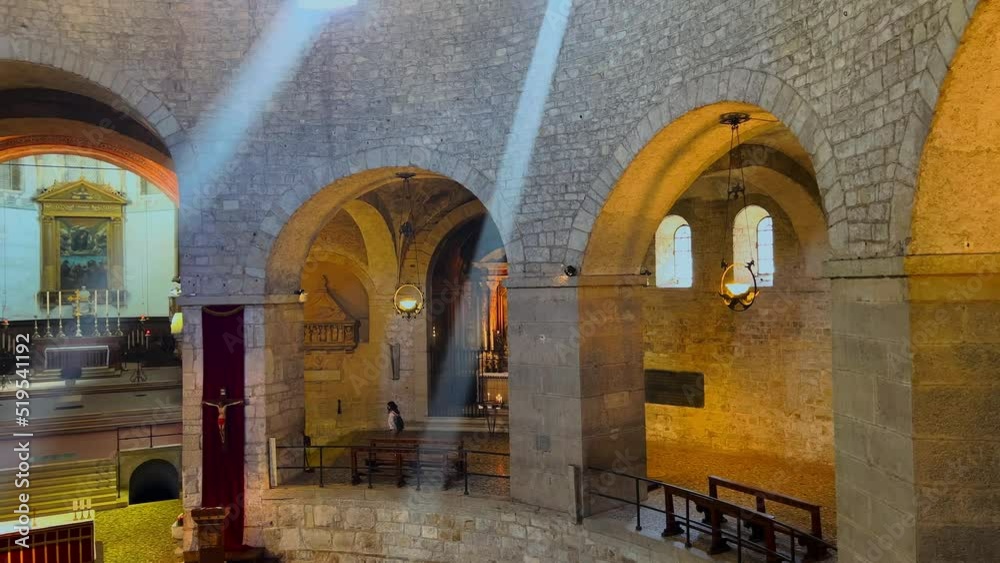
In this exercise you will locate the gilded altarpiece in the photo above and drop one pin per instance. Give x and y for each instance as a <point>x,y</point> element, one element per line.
<point>82,237</point>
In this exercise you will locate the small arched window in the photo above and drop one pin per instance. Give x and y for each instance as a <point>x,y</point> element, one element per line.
<point>674,259</point>
<point>753,239</point>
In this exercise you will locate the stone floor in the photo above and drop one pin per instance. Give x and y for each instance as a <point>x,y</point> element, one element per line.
<point>689,467</point>
<point>139,533</point>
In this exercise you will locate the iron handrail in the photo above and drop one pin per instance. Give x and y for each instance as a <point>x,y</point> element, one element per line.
<point>417,449</point>
<point>716,510</point>
<point>119,450</point>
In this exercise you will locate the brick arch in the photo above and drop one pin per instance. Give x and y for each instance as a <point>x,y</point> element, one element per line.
<point>691,106</point>
<point>297,215</point>
<point>125,91</point>
<point>428,243</point>
<point>104,75</point>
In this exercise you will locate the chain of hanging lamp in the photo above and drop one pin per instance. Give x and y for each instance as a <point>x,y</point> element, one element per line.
<point>737,296</point>
<point>408,298</point>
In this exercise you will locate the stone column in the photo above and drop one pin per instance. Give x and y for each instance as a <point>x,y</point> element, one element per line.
<point>577,392</point>
<point>193,376</point>
<point>916,345</point>
<point>955,331</point>
<point>274,378</point>
<point>275,389</point>
<point>872,411</point>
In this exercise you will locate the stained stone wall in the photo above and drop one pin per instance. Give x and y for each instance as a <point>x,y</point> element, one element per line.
<point>768,381</point>
<point>346,525</point>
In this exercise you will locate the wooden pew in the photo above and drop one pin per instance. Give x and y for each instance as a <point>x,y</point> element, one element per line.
<point>815,549</point>
<point>408,457</point>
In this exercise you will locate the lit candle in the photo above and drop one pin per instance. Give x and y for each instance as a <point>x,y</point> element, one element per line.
<point>118,299</point>
<point>60,304</point>
<point>46,304</point>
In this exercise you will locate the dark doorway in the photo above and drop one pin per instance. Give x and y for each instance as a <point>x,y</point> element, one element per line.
<point>467,321</point>
<point>153,481</point>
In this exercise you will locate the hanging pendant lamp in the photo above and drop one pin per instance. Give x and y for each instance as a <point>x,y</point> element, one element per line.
<point>737,295</point>
<point>408,300</point>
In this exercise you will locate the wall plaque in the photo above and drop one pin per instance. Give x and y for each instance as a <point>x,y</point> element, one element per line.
<point>676,388</point>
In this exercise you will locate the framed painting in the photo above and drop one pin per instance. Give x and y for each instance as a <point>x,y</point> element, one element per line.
<point>82,244</point>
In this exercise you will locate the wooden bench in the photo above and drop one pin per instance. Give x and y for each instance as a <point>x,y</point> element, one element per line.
<point>816,550</point>
<point>407,457</point>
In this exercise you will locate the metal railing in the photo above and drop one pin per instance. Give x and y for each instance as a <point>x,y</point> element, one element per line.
<point>762,541</point>
<point>150,436</point>
<point>409,458</point>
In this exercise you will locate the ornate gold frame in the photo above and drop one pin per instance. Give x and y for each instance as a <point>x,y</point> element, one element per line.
<point>81,198</point>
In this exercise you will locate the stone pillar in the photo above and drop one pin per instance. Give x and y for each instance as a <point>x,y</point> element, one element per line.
<point>916,398</point>
<point>873,434</point>
<point>955,324</point>
<point>275,388</point>
<point>274,376</point>
<point>577,392</point>
<point>192,371</point>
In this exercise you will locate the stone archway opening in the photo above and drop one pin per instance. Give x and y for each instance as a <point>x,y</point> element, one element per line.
<point>153,481</point>
<point>358,353</point>
<point>745,396</point>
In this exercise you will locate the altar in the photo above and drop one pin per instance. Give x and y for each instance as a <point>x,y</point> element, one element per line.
<point>95,356</point>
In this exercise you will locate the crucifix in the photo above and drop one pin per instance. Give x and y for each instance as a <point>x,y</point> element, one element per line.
<point>221,406</point>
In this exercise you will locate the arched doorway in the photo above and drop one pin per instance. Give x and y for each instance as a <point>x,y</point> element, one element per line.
<point>153,481</point>
<point>724,388</point>
<point>467,335</point>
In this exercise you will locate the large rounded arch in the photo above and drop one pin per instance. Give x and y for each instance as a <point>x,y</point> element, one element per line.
<point>297,216</point>
<point>60,68</point>
<point>955,207</point>
<point>675,143</point>
<point>110,128</point>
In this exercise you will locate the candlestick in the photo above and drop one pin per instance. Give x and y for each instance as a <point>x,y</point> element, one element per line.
<point>118,311</point>
<point>107,312</point>
<point>36,334</point>
<point>59,311</point>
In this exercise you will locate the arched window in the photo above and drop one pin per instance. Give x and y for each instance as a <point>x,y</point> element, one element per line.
<point>753,239</point>
<point>674,260</point>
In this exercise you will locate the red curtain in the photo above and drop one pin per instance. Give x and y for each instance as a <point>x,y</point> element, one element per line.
<point>222,465</point>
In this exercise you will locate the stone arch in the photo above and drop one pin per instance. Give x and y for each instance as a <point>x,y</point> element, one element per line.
<point>954,208</point>
<point>429,243</point>
<point>298,214</point>
<point>105,76</point>
<point>109,84</point>
<point>379,243</point>
<point>932,74</point>
<point>690,113</point>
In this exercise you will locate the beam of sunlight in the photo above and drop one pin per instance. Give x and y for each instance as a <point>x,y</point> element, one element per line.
<point>528,117</point>
<point>507,194</point>
<point>273,59</point>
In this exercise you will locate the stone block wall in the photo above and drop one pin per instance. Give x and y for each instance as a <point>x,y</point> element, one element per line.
<point>344,526</point>
<point>768,381</point>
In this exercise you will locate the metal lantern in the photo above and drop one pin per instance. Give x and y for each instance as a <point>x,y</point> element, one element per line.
<point>736,295</point>
<point>408,300</point>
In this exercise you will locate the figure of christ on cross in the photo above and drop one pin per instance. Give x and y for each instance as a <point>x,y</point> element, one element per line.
<point>221,407</point>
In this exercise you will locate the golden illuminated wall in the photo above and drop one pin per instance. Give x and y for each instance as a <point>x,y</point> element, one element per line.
<point>768,385</point>
<point>957,196</point>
